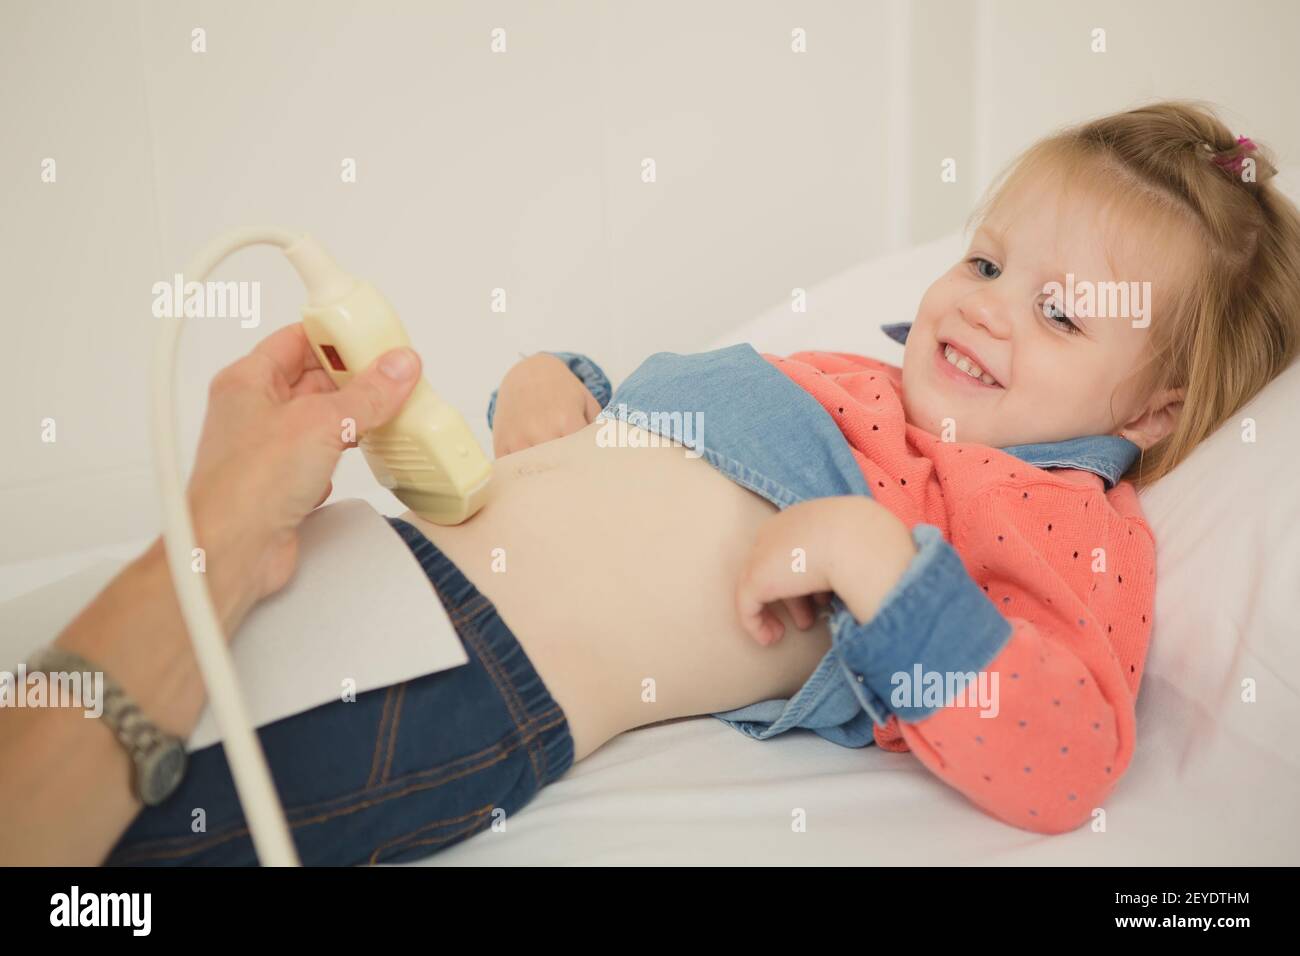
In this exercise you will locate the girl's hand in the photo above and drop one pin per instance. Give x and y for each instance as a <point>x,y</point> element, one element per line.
<point>539,399</point>
<point>850,545</point>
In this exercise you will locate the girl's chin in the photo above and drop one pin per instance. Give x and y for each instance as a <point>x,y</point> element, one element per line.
<point>947,422</point>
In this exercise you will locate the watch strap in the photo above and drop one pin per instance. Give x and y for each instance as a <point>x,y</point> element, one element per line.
<point>139,736</point>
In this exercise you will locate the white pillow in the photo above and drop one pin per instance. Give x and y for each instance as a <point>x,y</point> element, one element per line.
<point>845,312</point>
<point>1226,523</point>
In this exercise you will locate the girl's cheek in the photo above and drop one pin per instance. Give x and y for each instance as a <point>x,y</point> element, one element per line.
<point>932,302</point>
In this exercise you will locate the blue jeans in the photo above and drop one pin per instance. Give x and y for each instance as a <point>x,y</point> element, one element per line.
<point>397,774</point>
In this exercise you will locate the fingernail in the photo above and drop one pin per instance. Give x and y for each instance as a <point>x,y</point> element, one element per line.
<point>399,364</point>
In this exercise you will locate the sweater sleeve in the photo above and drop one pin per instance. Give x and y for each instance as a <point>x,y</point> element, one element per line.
<point>591,375</point>
<point>1042,733</point>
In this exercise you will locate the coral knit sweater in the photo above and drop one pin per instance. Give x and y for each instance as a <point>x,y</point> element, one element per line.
<point>1070,565</point>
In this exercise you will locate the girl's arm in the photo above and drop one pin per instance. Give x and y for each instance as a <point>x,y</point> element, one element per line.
<point>1063,685</point>
<point>1042,724</point>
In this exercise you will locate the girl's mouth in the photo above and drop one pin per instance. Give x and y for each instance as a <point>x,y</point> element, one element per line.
<point>954,364</point>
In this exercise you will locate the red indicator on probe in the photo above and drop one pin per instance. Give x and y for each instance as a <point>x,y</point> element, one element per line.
<point>332,356</point>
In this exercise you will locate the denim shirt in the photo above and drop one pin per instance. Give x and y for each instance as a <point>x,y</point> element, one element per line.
<point>763,431</point>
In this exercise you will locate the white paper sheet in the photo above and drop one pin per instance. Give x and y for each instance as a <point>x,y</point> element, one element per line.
<point>359,608</point>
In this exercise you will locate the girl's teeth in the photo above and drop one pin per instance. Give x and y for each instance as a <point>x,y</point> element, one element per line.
<point>966,365</point>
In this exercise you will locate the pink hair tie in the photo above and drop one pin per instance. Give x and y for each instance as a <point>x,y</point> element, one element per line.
<point>1233,164</point>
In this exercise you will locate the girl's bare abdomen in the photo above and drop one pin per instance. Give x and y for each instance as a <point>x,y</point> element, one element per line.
<point>620,568</point>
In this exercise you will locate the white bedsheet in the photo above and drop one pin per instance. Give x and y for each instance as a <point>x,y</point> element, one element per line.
<point>698,792</point>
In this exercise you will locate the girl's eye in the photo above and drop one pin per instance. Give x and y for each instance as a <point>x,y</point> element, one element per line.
<point>1052,312</point>
<point>979,262</point>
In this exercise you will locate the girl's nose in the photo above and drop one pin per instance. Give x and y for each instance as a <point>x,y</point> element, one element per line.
<point>984,309</point>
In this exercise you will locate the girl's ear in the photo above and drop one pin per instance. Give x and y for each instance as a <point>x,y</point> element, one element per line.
<point>1155,421</point>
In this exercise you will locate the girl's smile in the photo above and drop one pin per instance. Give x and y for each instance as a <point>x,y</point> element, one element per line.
<point>961,365</point>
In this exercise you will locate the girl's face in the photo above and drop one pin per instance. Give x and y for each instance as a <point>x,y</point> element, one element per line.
<point>1052,366</point>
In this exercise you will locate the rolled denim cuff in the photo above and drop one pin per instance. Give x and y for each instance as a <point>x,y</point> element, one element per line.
<point>589,372</point>
<point>933,632</point>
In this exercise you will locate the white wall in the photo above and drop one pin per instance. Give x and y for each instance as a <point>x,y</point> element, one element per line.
<point>518,170</point>
<point>1038,66</point>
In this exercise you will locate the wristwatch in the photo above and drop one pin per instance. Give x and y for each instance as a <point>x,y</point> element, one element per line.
<point>159,757</point>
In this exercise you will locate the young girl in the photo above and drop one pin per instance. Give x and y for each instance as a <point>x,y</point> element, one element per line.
<point>968,525</point>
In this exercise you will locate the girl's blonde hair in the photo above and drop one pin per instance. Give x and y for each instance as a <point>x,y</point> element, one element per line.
<point>1235,321</point>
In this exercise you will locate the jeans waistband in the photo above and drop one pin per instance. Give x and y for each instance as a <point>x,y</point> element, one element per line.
<point>521,687</point>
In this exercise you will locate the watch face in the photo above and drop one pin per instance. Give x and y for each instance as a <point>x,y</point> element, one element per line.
<point>162,773</point>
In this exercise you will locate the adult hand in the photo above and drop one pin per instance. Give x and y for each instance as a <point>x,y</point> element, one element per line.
<point>274,431</point>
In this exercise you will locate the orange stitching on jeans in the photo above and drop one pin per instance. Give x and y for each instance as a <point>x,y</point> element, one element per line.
<point>462,619</point>
<point>134,854</point>
<point>462,616</point>
<point>415,775</point>
<point>392,734</point>
<point>294,825</point>
<point>467,611</point>
<point>352,808</point>
<point>505,687</point>
<point>450,606</point>
<point>464,831</point>
<point>509,692</point>
<point>473,817</point>
<point>379,736</point>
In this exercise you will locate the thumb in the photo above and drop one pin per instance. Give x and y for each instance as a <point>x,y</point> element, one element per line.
<point>374,396</point>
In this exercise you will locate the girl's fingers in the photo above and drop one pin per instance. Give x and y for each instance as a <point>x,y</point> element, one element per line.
<point>801,610</point>
<point>768,581</point>
<point>755,617</point>
<point>771,628</point>
<point>763,623</point>
<point>755,605</point>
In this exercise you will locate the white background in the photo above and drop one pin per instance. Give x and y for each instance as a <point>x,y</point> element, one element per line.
<point>519,170</point>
